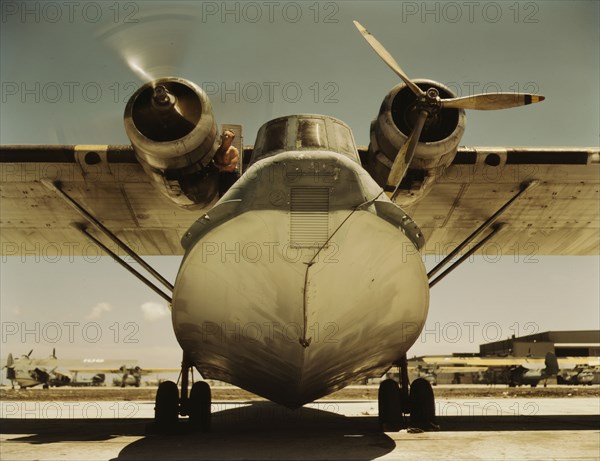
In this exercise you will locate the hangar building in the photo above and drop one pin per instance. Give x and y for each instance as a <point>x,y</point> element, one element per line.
<point>579,343</point>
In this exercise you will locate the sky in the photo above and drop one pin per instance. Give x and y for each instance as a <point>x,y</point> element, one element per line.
<point>68,68</point>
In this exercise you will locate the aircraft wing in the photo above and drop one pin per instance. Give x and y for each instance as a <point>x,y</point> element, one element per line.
<point>57,372</point>
<point>461,369</point>
<point>579,362</point>
<point>151,371</point>
<point>118,371</point>
<point>106,180</point>
<point>467,364</point>
<point>484,362</point>
<point>96,370</point>
<point>559,217</point>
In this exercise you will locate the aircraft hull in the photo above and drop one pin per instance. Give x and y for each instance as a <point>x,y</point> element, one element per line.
<point>253,311</point>
<point>24,381</point>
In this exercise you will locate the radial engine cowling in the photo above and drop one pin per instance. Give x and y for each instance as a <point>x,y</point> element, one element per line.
<point>437,145</point>
<point>170,124</point>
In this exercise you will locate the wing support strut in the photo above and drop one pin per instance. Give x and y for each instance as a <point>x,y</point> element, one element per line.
<point>123,264</point>
<point>468,254</point>
<point>55,187</point>
<point>489,222</point>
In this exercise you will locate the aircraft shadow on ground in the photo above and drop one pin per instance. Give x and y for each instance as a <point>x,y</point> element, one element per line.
<point>256,429</point>
<point>246,431</point>
<point>260,429</point>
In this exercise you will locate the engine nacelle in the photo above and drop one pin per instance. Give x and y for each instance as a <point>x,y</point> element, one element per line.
<point>436,149</point>
<point>170,124</point>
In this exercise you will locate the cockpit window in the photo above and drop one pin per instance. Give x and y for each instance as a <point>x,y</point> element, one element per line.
<point>311,133</point>
<point>304,133</point>
<point>275,136</point>
<point>344,140</point>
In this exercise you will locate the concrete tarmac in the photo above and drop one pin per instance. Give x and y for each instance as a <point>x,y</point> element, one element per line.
<point>483,429</point>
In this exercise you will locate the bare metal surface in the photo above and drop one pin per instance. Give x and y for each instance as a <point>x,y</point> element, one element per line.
<point>56,187</point>
<point>559,217</point>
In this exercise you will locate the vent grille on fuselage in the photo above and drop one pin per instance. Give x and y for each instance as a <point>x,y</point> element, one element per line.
<point>309,217</point>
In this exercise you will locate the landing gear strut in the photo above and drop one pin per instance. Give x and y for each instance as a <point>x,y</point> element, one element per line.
<point>396,399</point>
<point>170,403</point>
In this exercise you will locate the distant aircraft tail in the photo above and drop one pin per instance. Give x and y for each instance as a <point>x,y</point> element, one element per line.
<point>10,368</point>
<point>551,364</point>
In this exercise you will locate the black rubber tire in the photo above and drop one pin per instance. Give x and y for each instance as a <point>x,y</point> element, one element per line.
<point>390,409</point>
<point>166,408</point>
<point>422,405</point>
<point>200,406</point>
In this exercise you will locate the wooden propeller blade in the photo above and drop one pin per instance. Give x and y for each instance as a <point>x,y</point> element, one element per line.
<point>491,101</point>
<point>387,58</point>
<point>406,153</point>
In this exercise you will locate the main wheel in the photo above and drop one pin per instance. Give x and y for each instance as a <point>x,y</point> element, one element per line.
<point>166,408</point>
<point>390,409</point>
<point>422,405</point>
<point>200,403</point>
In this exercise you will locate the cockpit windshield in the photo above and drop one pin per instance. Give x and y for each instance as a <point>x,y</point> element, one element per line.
<point>304,132</point>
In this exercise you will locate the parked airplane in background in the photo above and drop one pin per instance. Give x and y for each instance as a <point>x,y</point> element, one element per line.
<point>578,370</point>
<point>516,371</point>
<point>306,275</point>
<point>132,375</point>
<point>520,375</point>
<point>50,372</point>
<point>578,376</point>
<point>28,372</point>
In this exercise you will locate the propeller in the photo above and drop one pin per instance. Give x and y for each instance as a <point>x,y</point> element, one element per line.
<point>167,110</point>
<point>491,101</point>
<point>387,58</point>
<point>429,104</point>
<point>153,47</point>
<point>156,44</point>
<point>407,151</point>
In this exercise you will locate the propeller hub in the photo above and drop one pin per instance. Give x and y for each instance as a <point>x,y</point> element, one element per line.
<point>162,99</point>
<point>405,107</point>
<point>433,94</point>
<point>429,102</point>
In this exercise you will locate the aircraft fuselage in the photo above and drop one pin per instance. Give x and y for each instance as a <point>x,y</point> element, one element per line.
<point>301,280</point>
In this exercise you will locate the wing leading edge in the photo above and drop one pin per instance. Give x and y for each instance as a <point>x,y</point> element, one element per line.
<point>559,217</point>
